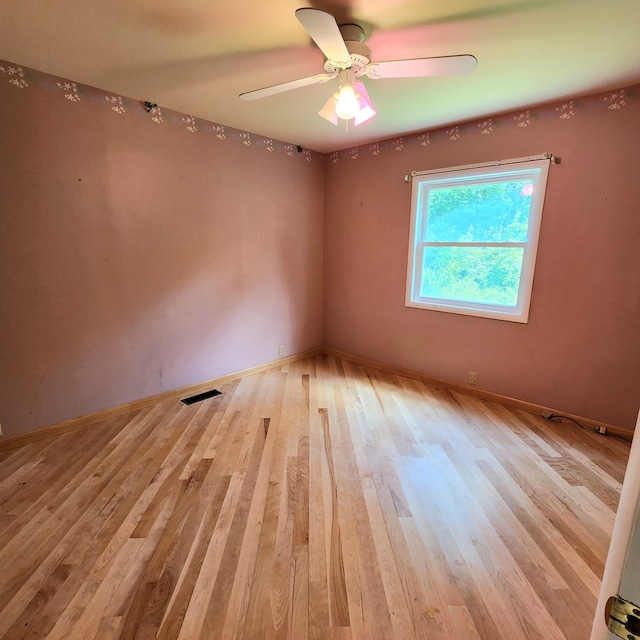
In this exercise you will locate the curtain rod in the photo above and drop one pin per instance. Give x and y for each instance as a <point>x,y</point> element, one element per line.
<point>498,163</point>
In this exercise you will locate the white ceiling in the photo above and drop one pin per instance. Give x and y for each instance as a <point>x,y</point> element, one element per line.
<point>196,56</point>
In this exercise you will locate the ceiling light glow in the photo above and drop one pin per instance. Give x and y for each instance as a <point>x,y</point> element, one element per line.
<point>347,106</point>
<point>350,102</point>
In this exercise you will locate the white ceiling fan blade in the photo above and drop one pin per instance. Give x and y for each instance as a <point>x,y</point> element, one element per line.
<point>324,31</point>
<point>423,67</point>
<point>286,86</point>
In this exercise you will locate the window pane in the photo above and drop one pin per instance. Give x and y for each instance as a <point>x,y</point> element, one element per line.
<point>484,212</point>
<point>487,275</point>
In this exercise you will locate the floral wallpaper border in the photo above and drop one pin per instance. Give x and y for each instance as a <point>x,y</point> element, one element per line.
<point>23,78</point>
<point>612,100</point>
<point>26,78</point>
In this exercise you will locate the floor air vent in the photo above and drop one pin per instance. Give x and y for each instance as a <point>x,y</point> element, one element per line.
<point>201,396</point>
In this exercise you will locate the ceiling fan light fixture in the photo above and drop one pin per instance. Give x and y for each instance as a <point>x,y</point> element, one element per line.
<point>351,102</point>
<point>365,110</point>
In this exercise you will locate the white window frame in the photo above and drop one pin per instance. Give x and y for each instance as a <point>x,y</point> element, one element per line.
<point>535,169</point>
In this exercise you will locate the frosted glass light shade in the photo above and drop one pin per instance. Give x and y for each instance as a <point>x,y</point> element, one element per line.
<point>328,112</point>
<point>366,111</point>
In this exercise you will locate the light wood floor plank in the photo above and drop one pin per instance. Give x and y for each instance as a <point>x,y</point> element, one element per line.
<point>321,500</point>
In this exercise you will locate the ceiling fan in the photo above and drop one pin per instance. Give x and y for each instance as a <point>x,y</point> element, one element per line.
<point>348,59</point>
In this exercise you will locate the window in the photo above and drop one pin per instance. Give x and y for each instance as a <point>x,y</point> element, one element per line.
<point>474,235</point>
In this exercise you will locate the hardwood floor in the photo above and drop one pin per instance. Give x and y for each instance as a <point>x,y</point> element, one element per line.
<point>322,500</point>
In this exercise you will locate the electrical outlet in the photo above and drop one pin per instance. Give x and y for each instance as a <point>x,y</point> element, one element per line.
<point>1,434</point>
<point>473,377</point>
<point>282,350</point>
<point>602,430</point>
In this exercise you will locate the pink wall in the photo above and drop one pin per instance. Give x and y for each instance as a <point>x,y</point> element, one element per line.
<point>580,351</point>
<point>143,252</point>
<point>139,256</point>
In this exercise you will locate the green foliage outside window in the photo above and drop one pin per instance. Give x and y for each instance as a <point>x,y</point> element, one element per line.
<point>495,212</point>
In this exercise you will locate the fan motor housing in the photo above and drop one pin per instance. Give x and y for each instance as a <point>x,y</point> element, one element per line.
<point>360,57</point>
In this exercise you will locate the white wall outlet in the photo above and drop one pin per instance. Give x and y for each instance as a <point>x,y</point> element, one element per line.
<point>473,377</point>
<point>282,350</point>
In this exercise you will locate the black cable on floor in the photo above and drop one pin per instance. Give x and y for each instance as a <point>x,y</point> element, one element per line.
<point>547,415</point>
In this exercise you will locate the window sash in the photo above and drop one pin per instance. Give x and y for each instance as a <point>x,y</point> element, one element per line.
<point>470,244</point>
<point>496,306</point>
